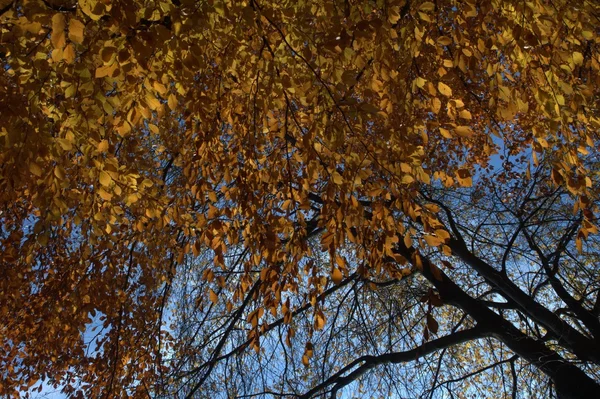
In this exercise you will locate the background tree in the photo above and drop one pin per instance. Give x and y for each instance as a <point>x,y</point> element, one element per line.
<point>290,184</point>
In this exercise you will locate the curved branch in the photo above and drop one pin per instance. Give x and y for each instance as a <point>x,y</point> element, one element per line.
<point>479,371</point>
<point>339,380</point>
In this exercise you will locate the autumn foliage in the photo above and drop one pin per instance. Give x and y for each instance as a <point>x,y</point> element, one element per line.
<point>189,184</point>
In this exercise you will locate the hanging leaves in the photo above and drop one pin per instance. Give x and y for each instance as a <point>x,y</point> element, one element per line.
<point>139,138</point>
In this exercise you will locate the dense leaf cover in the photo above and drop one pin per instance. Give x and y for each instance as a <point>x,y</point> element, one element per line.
<point>225,198</point>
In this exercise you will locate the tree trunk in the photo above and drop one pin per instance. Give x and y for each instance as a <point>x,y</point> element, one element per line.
<point>572,383</point>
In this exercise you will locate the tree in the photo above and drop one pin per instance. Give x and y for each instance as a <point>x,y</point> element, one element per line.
<point>245,198</point>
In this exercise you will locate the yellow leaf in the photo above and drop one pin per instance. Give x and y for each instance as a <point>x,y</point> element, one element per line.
<point>319,321</point>
<point>196,248</point>
<point>458,103</point>
<point>436,105</point>
<point>464,131</point>
<point>65,144</point>
<point>445,133</point>
<point>255,316</point>
<point>442,234</point>
<point>105,195</point>
<point>124,129</point>
<point>432,241</point>
<point>427,6</point>
<point>159,87</point>
<point>153,128</point>
<point>59,172</point>
<point>106,70</point>
<point>424,16</point>
<point>32,27</point>
<point>152,101</point>
<point>305,360</point>
<point>220,9</point>
<point>105,179</point>
<point>172,102</point>
<point>376,85</point>
<point>212,196</point>
<point>465,114</point>
<point>58,38</point>
<point>444,40</point>
<point>76,29</point>
<point>35,169</point>
<point>420,82</point>
<point>69,53</point>
<point>287,204</point>
<point>445,89</point>
<point>103,146</point>
<point>308,350</point>
<point>577,58</point>
<point>337,178</point>
<point>213,212</point>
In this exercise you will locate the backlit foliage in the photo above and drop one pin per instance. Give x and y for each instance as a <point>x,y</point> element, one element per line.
<point>173,160</point>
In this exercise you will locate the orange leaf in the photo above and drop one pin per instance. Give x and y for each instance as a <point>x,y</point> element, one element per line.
<point>336,276</point>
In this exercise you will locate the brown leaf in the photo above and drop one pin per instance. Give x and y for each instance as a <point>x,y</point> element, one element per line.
<point>432,324</point>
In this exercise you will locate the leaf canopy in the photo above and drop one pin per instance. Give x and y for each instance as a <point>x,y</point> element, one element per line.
<point>135,135</point>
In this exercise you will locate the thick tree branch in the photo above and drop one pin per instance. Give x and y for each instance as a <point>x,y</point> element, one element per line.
<point>581,345</point>
<point>584,347</point>
<point>571,382</point>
